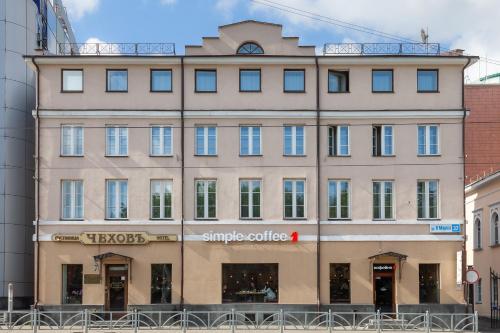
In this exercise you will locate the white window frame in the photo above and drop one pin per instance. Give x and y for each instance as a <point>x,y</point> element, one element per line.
<point>205,140</point>
<point>162,141</point>
<point>382,140</point>
<point>477,234</point>
<point>116,148</point>
<point>64,70</point>
<point>478,292</point>
<point>339,195</point>
<point>294,199</point>
<point>294,140</point>
<point>250,199</point>
<point>73,206</point>
<point>163,185</point>
<point>73,139</point>
<point>495,210</point>
<point>337,140</point>
<point>205,199</point>
<point>250,140</point>
<point>426,200</point>
<point>117,199</point>
<point>382,200</point>
<point>428,140</point>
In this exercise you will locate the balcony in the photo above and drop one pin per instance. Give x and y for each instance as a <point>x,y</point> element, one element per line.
<point>116,49</point>
<point>369,49</point>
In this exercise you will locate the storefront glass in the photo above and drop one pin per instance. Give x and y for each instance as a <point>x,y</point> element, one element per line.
<point>72,284</point>
<point>249,283</point>
<point>340,283</point>
<point>429,283</point>
<point>161,283</point>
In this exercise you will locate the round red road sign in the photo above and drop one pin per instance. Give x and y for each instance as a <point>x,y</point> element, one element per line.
<point>471,276</point>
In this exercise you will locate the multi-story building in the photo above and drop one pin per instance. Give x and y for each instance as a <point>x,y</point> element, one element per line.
<point>252,171</point>
<point>23,25</point>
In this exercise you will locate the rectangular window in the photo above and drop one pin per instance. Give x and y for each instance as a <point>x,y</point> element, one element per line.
<point>250,80</point>
<point>161,140</point>
<point>205,80</point>
<point>427,80</point>
<point>382,80</point>
<point>427,199</point>
<point>429,283</point>
<point>294,140</point>
<point>161,80</point>
<point>117,80</point>
<point>250,141</point>
<point>250,283</point>
<point>72,80</point>
<point>161,283</point>
<point>383,140</point>
<point>478,292</point>
<point>338,81</point>
<point>339,199</point>
<point>116,199</point>
<point>294,199</point>
<point>338,140</point>
<point>340,283</point>
<point>294,80</point>
<point>72,140</point>
<point>206,140</point>
<point>116,141</point>
<point>161,199</point>
<point>382,200</point>
<point>206,199</point>
<point>72,199</point>
<point>72,284</point>
<point>428,140</point>
<point>250,196</point>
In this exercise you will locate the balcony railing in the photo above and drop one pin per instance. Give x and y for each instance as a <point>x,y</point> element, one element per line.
<point>160,49</point>
<point>428,49</point>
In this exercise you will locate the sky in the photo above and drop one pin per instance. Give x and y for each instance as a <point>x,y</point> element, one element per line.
<point>472,25</point>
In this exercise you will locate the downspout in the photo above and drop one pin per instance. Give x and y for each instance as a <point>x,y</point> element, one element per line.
<point>182,183</point>
<point>318,182</point>
<point>464,244</point>
<point>37,186</point>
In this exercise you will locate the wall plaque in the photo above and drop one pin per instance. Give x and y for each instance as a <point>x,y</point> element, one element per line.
<point>114,238</point>
<point>91,278</point>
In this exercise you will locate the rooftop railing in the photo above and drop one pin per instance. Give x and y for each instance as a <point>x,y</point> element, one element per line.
<point>137,49</point>
<point>427,49</point>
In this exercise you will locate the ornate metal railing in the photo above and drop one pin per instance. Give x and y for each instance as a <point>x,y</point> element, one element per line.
<point>116,49</point>
<point>328,321</point>
<point>429,49</point>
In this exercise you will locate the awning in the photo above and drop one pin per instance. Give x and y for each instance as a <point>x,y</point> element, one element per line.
<point>400,257</point>
<point>110,255</point>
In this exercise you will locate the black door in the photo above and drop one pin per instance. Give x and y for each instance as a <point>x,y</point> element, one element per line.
<point>116,287</point>
<point>384,293</point>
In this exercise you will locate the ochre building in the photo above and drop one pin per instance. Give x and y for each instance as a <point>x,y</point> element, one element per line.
<point>251,173</point>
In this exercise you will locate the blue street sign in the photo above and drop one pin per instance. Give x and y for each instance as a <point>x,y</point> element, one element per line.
<point>445,228</point>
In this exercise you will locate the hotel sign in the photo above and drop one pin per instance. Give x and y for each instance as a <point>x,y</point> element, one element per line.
<point>114,238</point>
<point>445,228</point>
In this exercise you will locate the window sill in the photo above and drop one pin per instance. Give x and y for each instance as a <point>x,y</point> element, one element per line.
<point>383,155</point>
<point>381,220</point>
<point>256,155</point>
<point>428,155</point>
<point>71,155</point>
<point>294,219</point>
<point>495,246</point>
<point>428,91</point>
<point>205,92</point>
<point>250,91</point>
<point>251,218</point>
<point>479,249</point>
<point>200,155</point>
<point>294,92</point>
<point>115,155</point>
<point>285,155</point>
<point>81,220</point>
<point>341,219</point>
<point>71,91</point>
<point>206,219</point>
<point>340,155</point>
<point>109,219</point>
<point>423,219</point>
<point>117,91</point>
<point>160,91</point>
<point>339,92</point>
<point>151,155</point>
<point>382,92</point>
<point>162,219</point>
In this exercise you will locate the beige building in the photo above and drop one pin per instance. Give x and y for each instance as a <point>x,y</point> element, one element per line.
<point>483,242</point>
<point>251,172</point>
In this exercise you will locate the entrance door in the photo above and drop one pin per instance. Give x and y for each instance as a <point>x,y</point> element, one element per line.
<point>116,287</point>
<point>383,287</point>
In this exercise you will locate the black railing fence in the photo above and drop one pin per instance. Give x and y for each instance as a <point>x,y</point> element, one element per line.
<point>428,49</point>
<point>116,49</point>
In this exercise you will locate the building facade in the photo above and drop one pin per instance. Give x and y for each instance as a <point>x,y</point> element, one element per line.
<point>21,32</point>
<point>483,243</point>
<point>250,172</point>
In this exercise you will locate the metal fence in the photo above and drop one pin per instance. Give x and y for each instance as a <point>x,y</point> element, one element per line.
<point>116,49</point>
<point>429,49</point>
<point>182,321</point>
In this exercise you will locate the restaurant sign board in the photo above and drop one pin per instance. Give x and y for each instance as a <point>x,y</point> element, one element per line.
<point>114,238</point>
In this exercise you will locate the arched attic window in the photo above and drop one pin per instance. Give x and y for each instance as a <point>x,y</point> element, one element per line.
<point>250,48</point>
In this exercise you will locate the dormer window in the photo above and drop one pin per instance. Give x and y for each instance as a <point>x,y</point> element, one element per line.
<point>250,48</point>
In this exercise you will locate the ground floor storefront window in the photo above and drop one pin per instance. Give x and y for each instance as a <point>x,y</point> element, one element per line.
<point>161,283</point>
<point>249,283</point>
<point>340,283</point>
<point>429,283</point>
<point>72,284</point>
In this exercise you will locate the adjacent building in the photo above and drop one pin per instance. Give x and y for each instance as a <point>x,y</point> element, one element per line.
<point>251,172</point>
<point>26,27</point>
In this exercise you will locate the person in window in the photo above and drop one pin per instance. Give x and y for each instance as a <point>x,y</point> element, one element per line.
<point>269,294</point>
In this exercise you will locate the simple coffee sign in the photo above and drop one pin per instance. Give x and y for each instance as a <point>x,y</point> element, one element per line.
<point>114,238</point>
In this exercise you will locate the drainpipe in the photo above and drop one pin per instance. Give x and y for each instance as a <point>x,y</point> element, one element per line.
<point>464,247</point>
<point>182,183</point>
<point>318,194</point>
<point>37,186</point>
